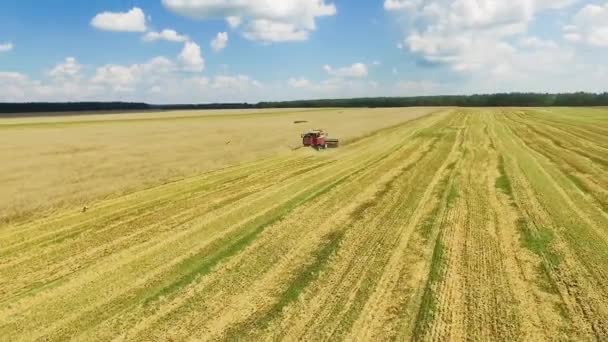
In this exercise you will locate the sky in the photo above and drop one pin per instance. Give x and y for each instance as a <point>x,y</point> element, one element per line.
<point>200,51</point>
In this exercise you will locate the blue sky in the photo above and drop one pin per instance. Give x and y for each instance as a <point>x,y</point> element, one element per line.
<point>167,51</point>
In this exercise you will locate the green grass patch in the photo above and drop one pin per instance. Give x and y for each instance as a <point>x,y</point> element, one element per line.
<point>452,195</point>
<point>428,306</point>
<point>579,183</point>
<point>203,262</point>
<point>503,183</point>
<point>539,243</point>
<point>306,276</point>
<point>426,228</point>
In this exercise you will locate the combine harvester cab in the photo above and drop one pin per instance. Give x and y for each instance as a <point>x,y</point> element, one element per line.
<point>318,139</point>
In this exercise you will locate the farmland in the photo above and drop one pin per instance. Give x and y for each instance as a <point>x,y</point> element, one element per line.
<point>427,224</point>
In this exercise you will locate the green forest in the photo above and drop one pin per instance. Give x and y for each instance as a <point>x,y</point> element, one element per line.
<point>489,100</point>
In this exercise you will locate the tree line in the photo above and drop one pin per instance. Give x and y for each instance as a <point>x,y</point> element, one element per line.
<point>488,100</point>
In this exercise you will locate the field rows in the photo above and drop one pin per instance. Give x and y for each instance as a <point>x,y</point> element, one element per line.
<point>485,224</point>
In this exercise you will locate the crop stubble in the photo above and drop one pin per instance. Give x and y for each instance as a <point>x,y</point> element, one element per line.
<point>485,224</point>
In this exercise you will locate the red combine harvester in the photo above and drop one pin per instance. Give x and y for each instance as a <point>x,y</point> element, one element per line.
<point>318,139</point>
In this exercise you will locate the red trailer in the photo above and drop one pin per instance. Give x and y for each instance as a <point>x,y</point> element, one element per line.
<point>317,138</point>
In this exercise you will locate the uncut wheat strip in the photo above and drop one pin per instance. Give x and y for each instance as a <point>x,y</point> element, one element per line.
<point>375,317</point>
<point>380,166</point>
<point>355,262</point>
<point>540,212</point>
<point>142,281</point>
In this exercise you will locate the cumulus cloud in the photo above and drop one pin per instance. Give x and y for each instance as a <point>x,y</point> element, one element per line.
<point>589,26</point>
<point>393,5</point>
<point>69,68</point>
<point>332,87</point>
<point>418,88</point>
<point>126,78</point>
<point>263,20</point>
<point>6,47</point>
<point>158,80</point>
<point>220,41</point>
<point>299,82</point>
<point>274,31</point>
<point>234,83</point>
<point>476,36</point>
<point>356,70</point>
<point>537,43</point>
<point>191,57</point>
<point>131,21</point>
<point>166,34</point>
<point>234,21</point>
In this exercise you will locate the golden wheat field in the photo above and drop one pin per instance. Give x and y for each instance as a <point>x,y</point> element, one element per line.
<point>426,224</point>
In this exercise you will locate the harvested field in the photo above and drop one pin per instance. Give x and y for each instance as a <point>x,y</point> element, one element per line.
<point>462,224</point>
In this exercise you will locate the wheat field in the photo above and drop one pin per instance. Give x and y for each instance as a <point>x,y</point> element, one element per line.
<point>427,224</point>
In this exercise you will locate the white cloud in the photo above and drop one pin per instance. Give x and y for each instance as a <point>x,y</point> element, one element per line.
<point>590,26</point>
<point>234,83</point>
<point>417,88</point>
<point>6,47</point>
<point>220,41</point>
<point>234,21</point>
<point>131,21</point>
<point>299,82</point>
<point>158,80</point>
<point>393,5</point>
<point>333,87</point>
<point>356,70</point>
<point>537,43</point>
<point>166,34</point>
<point>273,31</point>
<point>123,78</point>
<point>191,57</point>
<point>476,36</point>
<point>69,68</point>
<point>262,20</point>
